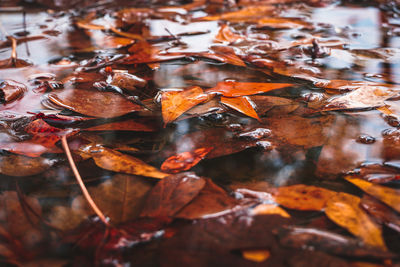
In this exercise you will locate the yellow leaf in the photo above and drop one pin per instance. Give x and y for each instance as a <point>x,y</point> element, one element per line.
<point>256,255</point>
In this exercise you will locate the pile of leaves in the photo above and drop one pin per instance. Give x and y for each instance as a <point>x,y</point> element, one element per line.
<point>207,133</point>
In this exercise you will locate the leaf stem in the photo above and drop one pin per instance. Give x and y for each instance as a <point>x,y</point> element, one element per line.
<point>78,177</point>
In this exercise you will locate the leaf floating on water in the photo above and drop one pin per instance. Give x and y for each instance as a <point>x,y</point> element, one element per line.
<point>115,161</point>
<point>235,89</point>
<point>387,195</point>
<point>171,194</point>
<point>242,104</point>
<point>185,160</point>
<point>363,97</point>
<point>344,209</point>
<point>137,125</point>
<point>284,23</point>
<point>303,197</point>
<point>244,14</point>
<point>94,103</point>
<point>175,103</point>
<point>267,209</point>
<point>11,90</point>
<point>225,34</point>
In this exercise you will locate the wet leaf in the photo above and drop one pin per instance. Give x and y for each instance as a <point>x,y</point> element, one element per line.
<point>175,103</point>
<point>344,209</point>
<point>381,213</point>
<point>184,161</point>
<point>267,209</point>
<point>310,238</point>
<point>171,194</point>
<point>115,161</point>
<point>112,42</point>
<point>364,97</point>
<point>19,166</point>
<point>210,202</point>
<point>139,125</point>
<point>303,197</point>
<point>94,103</point>
<point>128,81</point>
<point>284,23</point>
<point>11,90</point>
<point>242,104</point>
<point>256,255</point>
<point>387,195</point>
<point>225,34</point>
<point>235,89</point>
<point>245,14</point>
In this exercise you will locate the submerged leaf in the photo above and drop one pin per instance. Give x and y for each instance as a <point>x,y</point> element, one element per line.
<point>19,166</point>
<point>185,160</point>
<point>171,194</point>
<point>94,103</point>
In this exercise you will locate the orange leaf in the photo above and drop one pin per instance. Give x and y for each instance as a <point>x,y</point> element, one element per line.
<point>115,161</point>
<point>226,35</point>
<point>185,160</point>
<point>283,23</point>
<point>138,125</point>
<point>303,197</point>
<point>234,89</point>
<point>175,103</point>
<point>389,196</point>
<point>268,209</point>
<point>344,209</point>
<point>246,13</point>
<point>242,104</point>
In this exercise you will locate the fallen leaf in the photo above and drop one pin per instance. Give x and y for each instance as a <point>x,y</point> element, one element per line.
<point>381,213</point>
<point>387,195</point>
<point>265,209</point>
<point>175,103</point>
<point>303,197</point>
<point>20,166</point>
<point>127,81</point>
<point>137,125</point>
<point>11,90</point>
<point>247,13</point>
<point>113,42</point>
<point>118,162</point>
<point>284,23</point>
<point>171,194</point>
<point>364,97</point>
<point>256,255</point>
<point>242,104</point>
<point>235,89</point>
<point>94,103</point>
<point>377,173</point>
<point>310,238</point>
<point>344,209</point>
<point>185,160</point>
<point>225,34</point>
<point>210,202</point>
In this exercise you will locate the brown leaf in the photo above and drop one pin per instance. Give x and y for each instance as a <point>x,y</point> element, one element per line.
<point>175,103</point>
<point>120,198</point>
<point>225,34</point>
<point>185,160</point>
<point>113,42</point>
<point>171,194</point>
<point>344,209</point>
<point>303,197</point>
<point>364,97</point>
<point>19,166</point>
<point>235,89</point>
<point>242,104</point>
<point>381,213</point>
<point>284,23</point>
<point>127,81</point>
<point>11,90</point>
<point>247,13</point>
<point>299,237</point>
<point>137,125</point>
<point>387,195</point>
<point>211,200</point>
<point>94,103</point>
<point>118,162</point>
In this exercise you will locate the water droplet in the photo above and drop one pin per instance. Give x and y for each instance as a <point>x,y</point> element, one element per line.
<point>265,145</point>
<point>235,127</point>
<point>256,134</point>
<point>365,139</point>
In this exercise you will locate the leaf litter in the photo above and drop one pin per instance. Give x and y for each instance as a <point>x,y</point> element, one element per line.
<point>286,118</point>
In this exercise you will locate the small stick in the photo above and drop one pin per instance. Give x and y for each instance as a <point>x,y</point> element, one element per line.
<point>25,32</point>
<point>78,177</point>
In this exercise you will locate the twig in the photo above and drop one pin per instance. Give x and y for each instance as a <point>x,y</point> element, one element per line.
<point>25,32</point>
<point>78,177</point>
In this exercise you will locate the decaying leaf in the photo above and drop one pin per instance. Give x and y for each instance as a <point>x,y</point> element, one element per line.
<point>303,197</point>
<point>11,90</point>
<point>185,160</point>
<point>19,166</point>
<point>344,209</point>
<point>175,103</point>
<point>139,125</point>
<point>94,103</point>
<point>387,195</point>
<point>211,201</point>
<point>171,194</point>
